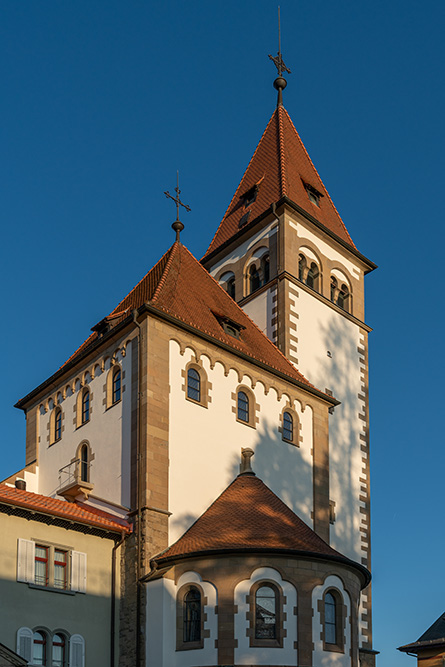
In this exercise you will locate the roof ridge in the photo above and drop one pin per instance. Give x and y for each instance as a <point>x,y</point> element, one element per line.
<point>321,181</point>
<point>239,185</point>
<point>173,251</point>
<point>281,153</point>
<point>143,278</point>
<point>255,325</point>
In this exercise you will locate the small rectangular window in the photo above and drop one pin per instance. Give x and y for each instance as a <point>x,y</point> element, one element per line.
<point>41,565</point>
<point>60,563</point>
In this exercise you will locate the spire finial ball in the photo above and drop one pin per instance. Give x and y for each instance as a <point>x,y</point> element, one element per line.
<point>280,83</point>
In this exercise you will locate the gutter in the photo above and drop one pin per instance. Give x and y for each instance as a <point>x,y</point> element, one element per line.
<point>160,562</point>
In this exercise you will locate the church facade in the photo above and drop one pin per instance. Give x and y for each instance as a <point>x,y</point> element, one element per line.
<point>220,414</point>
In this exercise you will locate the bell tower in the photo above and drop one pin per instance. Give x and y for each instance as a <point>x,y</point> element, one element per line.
<point>284,254</point>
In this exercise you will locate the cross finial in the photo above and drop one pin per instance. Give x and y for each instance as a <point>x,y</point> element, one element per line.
<point>280,82</point>
<point>177,225</point>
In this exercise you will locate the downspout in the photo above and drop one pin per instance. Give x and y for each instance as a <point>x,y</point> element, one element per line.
<point>138,499</point>
<point>279,232</point>
<point>113,598</point>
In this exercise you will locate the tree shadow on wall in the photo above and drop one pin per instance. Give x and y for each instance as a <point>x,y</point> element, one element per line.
<point>281,466</point>
<point>343,375</point>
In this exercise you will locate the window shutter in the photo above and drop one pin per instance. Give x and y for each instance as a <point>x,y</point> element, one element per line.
<point>78,571</point>
<point>25,561</point>
<point>24,643</point>
<point>77,651</point>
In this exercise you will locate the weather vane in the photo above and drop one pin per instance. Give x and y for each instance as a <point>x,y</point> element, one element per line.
<point>177,225</point>
<point>280,82</point>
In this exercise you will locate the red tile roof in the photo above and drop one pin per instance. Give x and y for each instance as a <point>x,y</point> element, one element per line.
<point>181,287</point>
<point>77,512</point>
<point>284,167</point>
<point>248,516</point>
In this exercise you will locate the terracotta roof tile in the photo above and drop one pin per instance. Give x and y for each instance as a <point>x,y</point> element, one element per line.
<point>283,165</point>
<point>248,516</point>
<point>181,287</point>
<point>78,512</point>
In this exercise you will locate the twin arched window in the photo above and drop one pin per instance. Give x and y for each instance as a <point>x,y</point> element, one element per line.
<point>259,273</point>
<point>48,649</point>
<point>308,274</point>
<point>40,650</point>
<point>340,294</point>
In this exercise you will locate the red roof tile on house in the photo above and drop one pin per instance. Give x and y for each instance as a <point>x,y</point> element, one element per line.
<point>78,512</point>
<point>248,516</point>
<point>281,167</point>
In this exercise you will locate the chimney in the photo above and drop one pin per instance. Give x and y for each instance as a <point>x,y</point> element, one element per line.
<point>20,484</point>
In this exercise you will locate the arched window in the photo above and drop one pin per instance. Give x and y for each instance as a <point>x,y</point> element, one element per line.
<point>117,385</point>
<point>85,406</point>
<point>230,287</point>
<point>334,289</point>
<point>59,651</point>
<point>330,619</point>
<point>312,279</point>
<point>288,427</point>
<point>265,268</point>
<point>193,385</point>
<point>84,464</point>
<point>58,424</point>
<point>343,297</point>
<point>243,407</point>
<point>254,278</point>
<point>39,648</point>
<point>192,616</point>
<point>266,612</point>
<point>301,267</point>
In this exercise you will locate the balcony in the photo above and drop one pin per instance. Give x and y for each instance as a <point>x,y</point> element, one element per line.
<point>73,481</point>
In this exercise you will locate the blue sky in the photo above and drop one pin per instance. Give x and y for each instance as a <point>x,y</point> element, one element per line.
<point>102,101</point>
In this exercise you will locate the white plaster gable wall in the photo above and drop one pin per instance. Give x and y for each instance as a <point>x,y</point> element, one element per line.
<point>260,308</point>
<point>321,329</point>
<point>161,624</point>
<point>108,433</point>
<point>205,446</point>
<point>243,249</point>
<point>255,655</point>
<point>322,658</point>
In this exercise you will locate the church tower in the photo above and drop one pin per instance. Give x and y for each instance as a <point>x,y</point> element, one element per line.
<point>284,254</point>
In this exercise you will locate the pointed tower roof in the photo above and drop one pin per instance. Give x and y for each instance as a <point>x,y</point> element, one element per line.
<point>180,288</point>
<point>249,517</point>
<point>280,167</point>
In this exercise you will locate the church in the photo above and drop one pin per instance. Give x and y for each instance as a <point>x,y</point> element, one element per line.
<point>196,490</point>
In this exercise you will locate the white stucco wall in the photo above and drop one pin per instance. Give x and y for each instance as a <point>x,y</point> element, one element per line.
<point>243,249</point>
<point>255,655</point>
<point>259,309</point>
<point>108,433</point>
<point>322,658</point>
<point>161,624</point>
<point>321,329</point>
<point>205,446</point>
